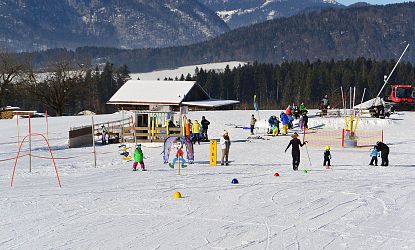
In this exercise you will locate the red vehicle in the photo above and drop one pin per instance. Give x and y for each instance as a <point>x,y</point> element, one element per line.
<point>401,97</point>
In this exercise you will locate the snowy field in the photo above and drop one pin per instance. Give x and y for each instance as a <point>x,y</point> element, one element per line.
<point>351,206</point>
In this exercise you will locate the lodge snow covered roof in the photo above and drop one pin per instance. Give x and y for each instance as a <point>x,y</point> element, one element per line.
<point>174,93</point>
<point>148,92</point>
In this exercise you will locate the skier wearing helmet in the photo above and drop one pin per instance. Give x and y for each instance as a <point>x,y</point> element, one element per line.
<point>327,157</point>
<point>138,158</point>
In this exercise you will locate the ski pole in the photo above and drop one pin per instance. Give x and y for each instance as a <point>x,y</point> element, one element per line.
<point>305,144</point>
<point>309,160</point>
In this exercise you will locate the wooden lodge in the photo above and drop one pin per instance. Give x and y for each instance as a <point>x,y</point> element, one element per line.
<point>159,107</point>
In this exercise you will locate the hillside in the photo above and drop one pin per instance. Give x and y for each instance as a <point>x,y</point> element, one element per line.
<point>375,32</point>
<point>29,25</point>
<point>246,12</point>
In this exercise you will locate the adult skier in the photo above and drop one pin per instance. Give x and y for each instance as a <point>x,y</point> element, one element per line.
<point>384,153</point>
<point>252,123</point>
<point>225,144</point>
<point>205,125</point>
<point>295,143</point>
<point>284,121</point>
<point>196,132</point>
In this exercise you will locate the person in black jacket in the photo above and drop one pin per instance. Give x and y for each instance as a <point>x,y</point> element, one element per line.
<point>305,120</point>
<point>384,153</point>
<point>205,125</point>
<point>295,143</point>
<point>327,157</point>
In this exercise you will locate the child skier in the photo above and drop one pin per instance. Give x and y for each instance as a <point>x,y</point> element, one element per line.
<point>274,130</point>
<point>327,157</point>
<point>374,154</point>
<point>305,120</point>
<point>180,154</point>
<point>138,158</point>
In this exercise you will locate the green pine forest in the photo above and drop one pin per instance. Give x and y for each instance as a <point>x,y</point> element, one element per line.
<point>278,85</point>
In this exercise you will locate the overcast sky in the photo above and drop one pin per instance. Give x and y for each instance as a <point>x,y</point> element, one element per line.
<point>348,2</point>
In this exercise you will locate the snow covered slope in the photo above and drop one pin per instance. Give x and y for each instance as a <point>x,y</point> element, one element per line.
<point>173,73</point>
<point>351,206</point>
<point>239,13</point>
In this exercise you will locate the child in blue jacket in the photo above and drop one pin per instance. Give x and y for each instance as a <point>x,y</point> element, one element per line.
<point>374,153</point>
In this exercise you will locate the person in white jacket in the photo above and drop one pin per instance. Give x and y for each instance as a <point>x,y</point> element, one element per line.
<point>225,144</point>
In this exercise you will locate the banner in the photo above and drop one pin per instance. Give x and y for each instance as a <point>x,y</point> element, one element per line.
<point>255,105</point>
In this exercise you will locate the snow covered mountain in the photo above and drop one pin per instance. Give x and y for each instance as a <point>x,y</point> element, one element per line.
<point>42,24</point>
<point>238,13</point>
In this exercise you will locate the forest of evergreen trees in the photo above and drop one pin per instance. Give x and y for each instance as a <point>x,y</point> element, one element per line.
<point>276,86</point>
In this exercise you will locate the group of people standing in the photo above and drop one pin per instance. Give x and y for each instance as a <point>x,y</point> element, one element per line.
<point>286,119</point>
<point>196,131</point>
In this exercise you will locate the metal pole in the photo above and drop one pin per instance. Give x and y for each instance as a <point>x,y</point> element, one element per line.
<point>93,142</point>
<point>178,163</point>
<point>30,146</point>
<point>363,96</point>
<point>341,89</point>
<point>354,96</point>
<point>387,79</point>
<point>122,125</point>
<point>18,130</point>
<point>47,126</point>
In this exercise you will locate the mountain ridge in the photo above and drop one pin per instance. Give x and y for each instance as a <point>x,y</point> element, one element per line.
<point>374,32</point>
<point>41,24</point>
<point>247,12</point>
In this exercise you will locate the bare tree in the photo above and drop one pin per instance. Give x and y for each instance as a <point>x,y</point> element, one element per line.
<point>10,70</point>
<point>61,84</point>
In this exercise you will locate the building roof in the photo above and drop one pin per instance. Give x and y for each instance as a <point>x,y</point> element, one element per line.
<point>169,93</point>
<point>149,92</point>
<point>210,103</point>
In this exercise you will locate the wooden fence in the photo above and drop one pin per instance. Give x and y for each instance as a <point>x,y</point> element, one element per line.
<point>147,134</point>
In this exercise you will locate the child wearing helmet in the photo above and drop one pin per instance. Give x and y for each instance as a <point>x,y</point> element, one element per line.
<point>138,158</point>
<point>327,157</point>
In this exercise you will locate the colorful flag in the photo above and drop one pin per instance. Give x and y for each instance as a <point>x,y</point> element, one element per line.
<point>255,105</point>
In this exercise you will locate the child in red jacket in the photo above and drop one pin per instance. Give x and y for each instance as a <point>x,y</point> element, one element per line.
<point>180,154</point>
